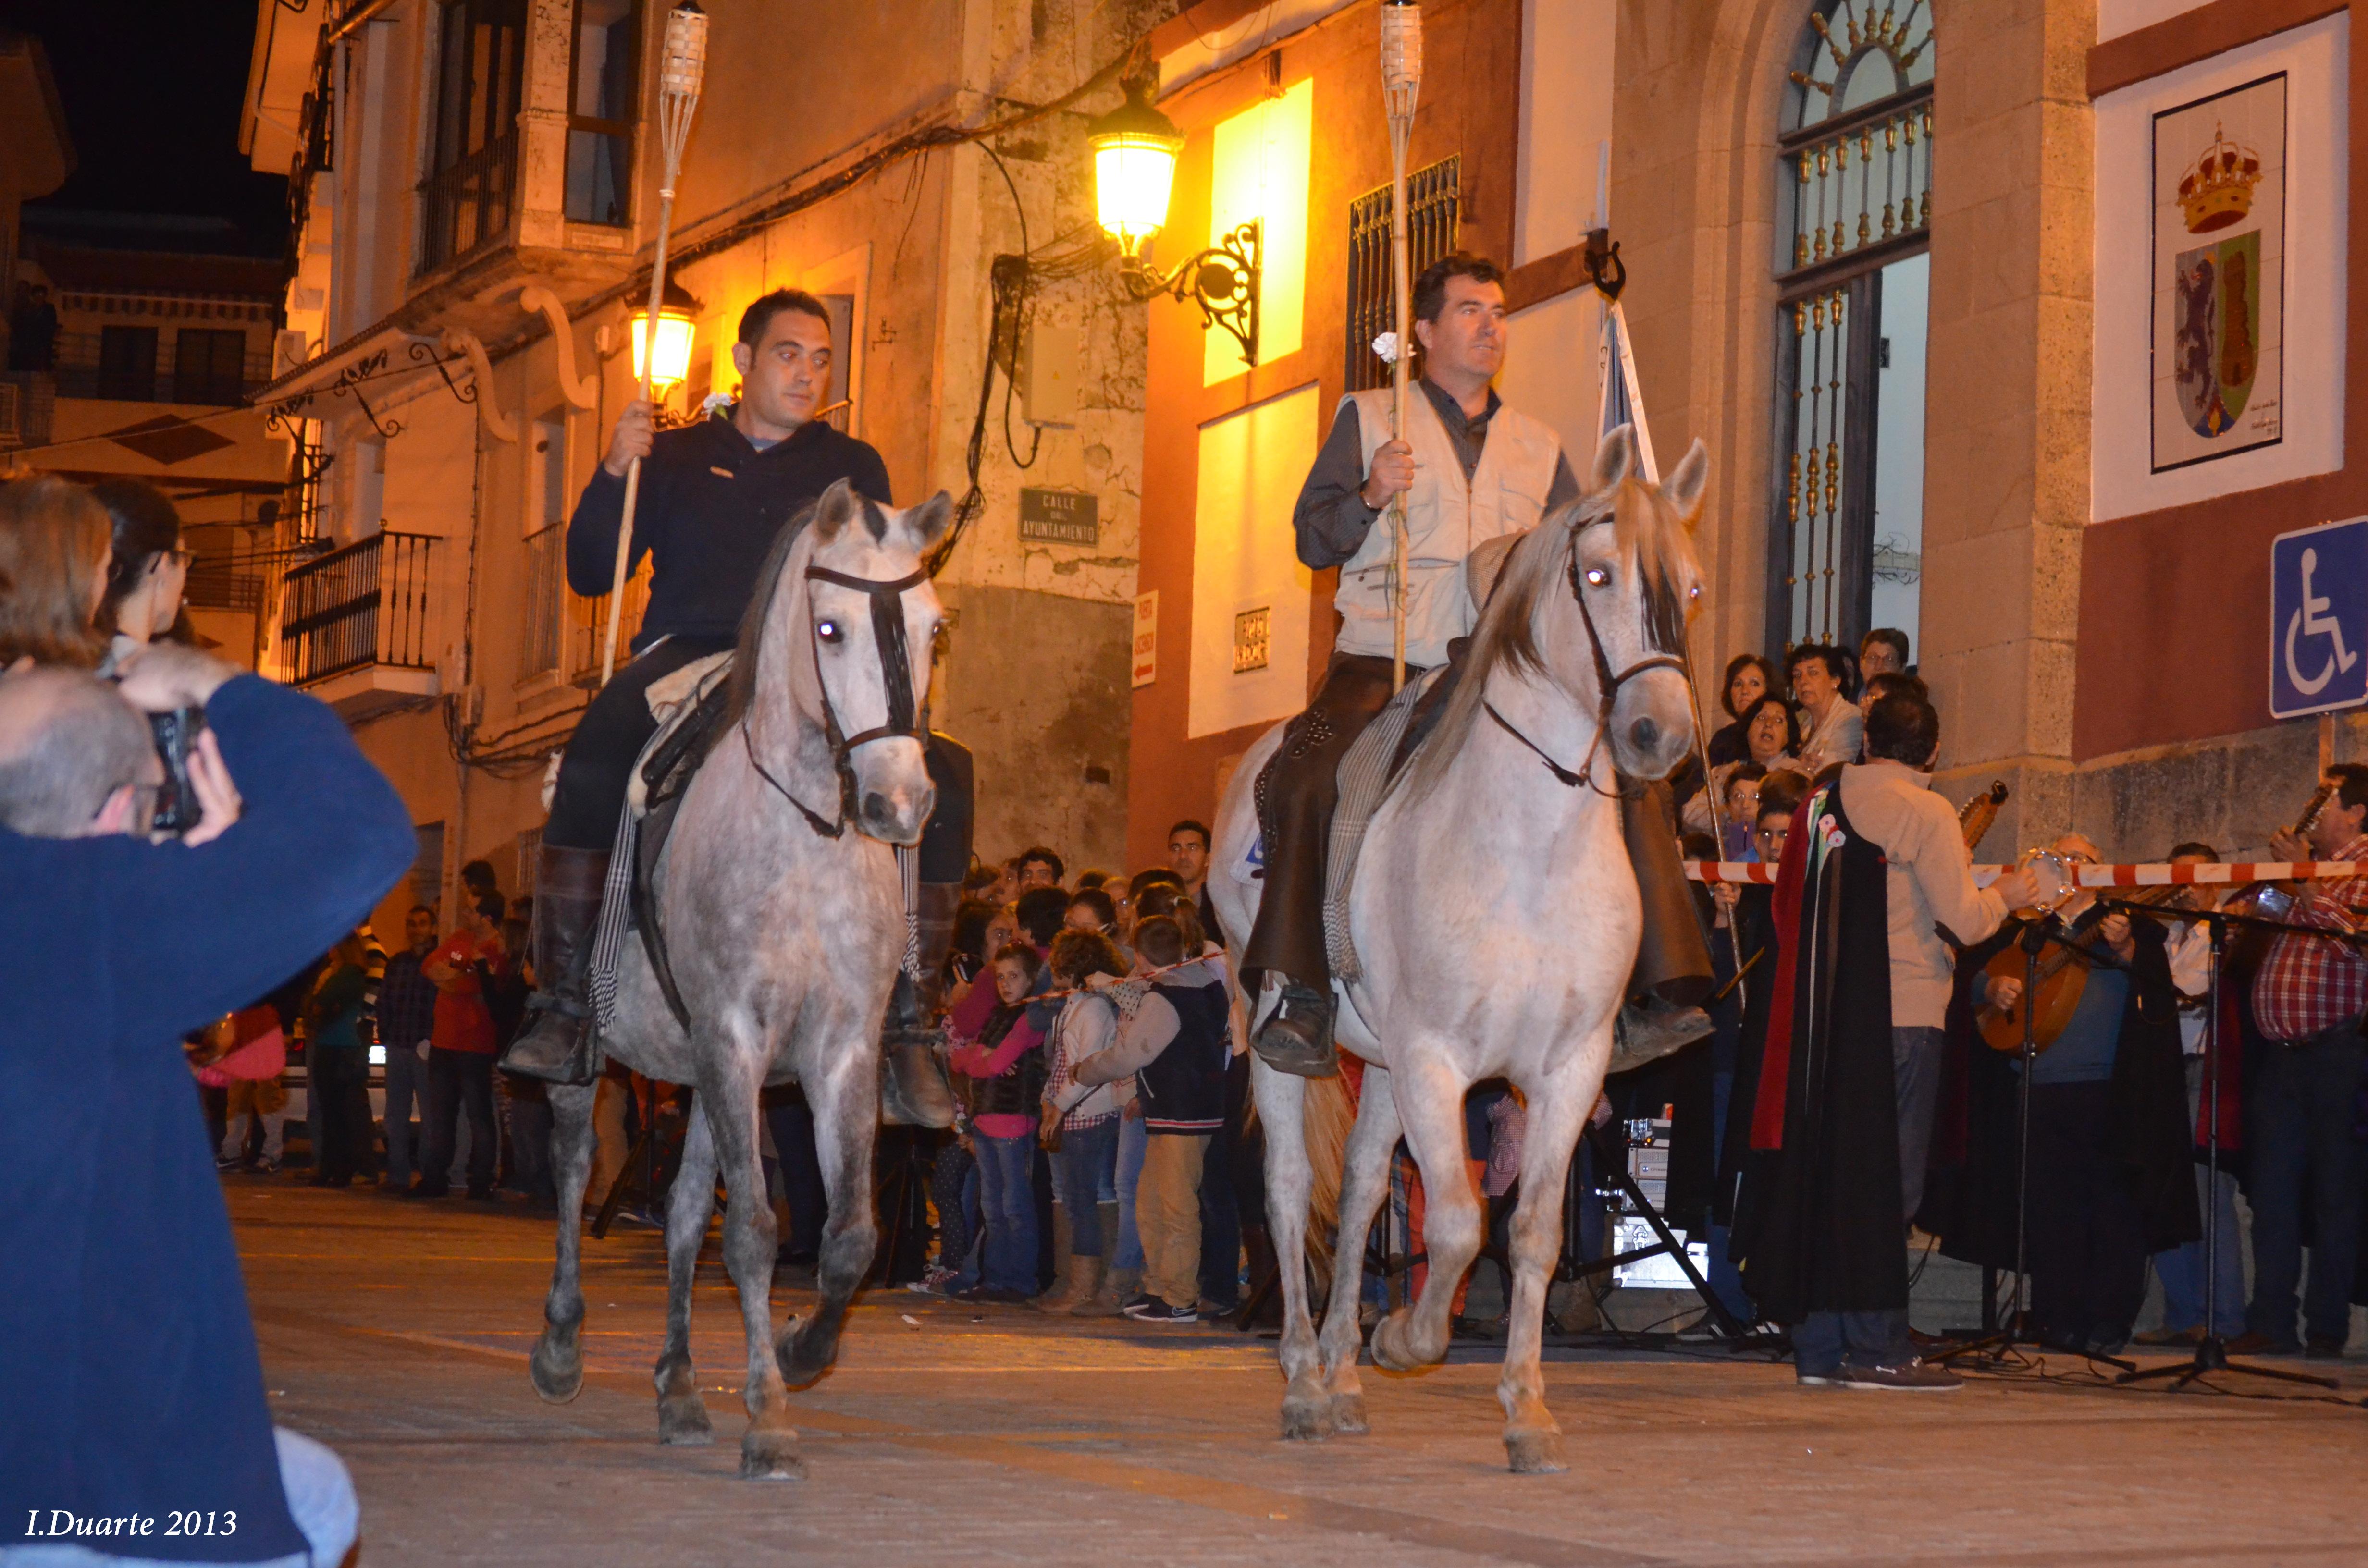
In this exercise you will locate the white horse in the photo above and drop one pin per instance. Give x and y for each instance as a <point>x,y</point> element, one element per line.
<point>1495,919</point>
<point>784,923</point>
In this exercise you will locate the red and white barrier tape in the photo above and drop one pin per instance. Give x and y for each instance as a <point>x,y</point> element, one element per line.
<point>2155,875</point>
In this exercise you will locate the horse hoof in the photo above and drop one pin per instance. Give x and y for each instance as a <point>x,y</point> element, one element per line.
<point>557,1369</point>
<point>1535,1452</point>
<point>683,1424</point>
<point>1390,1351</point>
<point>802,1361</point>
<point>1349,1415</point>
<point>771,1456</point>
<point>1306,1420</point>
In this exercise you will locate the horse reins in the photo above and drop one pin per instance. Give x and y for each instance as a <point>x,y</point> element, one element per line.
<point>905,719</point>
<point>1607,683</point>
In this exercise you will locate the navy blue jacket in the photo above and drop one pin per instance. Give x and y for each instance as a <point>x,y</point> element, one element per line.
<point>129,1380</point>
<point>708,509</point>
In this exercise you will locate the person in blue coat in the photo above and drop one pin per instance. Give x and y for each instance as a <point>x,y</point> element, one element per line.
<point>132,1420</point>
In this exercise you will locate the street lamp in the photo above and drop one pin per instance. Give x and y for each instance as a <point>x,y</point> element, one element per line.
<point>670,365</point>
<point>1134,149</point>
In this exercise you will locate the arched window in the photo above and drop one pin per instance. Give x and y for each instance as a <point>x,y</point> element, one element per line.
<point>1855,174</point>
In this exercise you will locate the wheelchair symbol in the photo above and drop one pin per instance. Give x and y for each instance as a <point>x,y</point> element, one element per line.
<point>2311,620</point>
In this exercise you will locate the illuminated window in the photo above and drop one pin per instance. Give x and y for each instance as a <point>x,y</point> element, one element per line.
<point>1260,171</point>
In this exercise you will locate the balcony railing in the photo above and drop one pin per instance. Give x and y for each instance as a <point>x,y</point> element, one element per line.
<point>467,207</point>
<point>366,604</point>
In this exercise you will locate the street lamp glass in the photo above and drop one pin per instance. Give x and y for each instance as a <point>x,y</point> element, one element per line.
<point>1134,149</point>
<point>671,367</point>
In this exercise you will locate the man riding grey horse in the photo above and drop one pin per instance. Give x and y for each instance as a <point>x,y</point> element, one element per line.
<point>1472,471</point>
<point>714,495</point>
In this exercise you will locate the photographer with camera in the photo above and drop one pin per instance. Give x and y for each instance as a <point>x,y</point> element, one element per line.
<point>132,1387</point>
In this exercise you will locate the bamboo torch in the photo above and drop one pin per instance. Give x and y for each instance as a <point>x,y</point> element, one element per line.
<point>681,66</point>
<point>1401,84</point>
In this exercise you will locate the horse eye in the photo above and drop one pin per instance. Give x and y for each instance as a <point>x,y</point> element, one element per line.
<point>1597,576</point>
<point>828,631</point>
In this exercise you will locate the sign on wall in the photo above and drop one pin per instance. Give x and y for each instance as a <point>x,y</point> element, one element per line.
<point>2318,619</point>
<point>2219,309</point>
<point>1059,517</point>
<point>1147,637</point>
<point>2219,274</point>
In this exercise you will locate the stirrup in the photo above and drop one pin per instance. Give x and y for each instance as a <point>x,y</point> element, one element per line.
<point>1297,1038</point>
<point>559,1045</point>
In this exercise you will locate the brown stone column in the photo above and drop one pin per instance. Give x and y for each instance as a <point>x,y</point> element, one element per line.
<point>2006,478</point>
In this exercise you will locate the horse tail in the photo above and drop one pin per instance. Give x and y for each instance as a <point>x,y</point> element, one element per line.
<point>1327,1116</point>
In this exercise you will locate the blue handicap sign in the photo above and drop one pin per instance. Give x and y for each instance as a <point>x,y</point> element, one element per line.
<point>2318,619</point>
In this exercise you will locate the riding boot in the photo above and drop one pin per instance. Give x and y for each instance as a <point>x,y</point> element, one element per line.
<point>1297,1036</point>
<point>1648,1028</point>
<point>912,1087</point>
<point>1089,1297</point>
<point>557,1044</point>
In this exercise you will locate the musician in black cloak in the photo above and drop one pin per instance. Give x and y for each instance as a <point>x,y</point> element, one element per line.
<point>2111,1147</point>
<point>1844,1084</point>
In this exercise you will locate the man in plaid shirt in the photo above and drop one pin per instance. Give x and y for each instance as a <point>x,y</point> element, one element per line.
<point>406,1017</point>
<point>2308,1000</point>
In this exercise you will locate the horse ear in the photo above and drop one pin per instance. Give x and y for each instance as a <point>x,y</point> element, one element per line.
<point>838,507</point>
<point>1684,486</point>
<point>1616,458</point>
<point>930,519</point>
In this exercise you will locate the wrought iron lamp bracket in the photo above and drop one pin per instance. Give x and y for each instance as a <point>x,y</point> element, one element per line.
<point>1604,268</point>
<point>1224,280</point>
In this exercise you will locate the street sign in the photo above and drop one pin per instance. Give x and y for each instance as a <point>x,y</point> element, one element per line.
<point>2318,619</point>
<point>1059,517</point>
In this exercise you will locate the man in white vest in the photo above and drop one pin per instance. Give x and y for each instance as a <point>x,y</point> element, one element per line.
<point>1471,470</point>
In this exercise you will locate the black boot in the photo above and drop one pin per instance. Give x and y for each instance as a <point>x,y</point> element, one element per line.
<point>557,1044</point>
<point>912,1087</point>
<point>1297,1036</point>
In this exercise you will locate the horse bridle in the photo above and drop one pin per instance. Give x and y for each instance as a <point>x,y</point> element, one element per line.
<point>904,718</point>
<point>1607,682</point>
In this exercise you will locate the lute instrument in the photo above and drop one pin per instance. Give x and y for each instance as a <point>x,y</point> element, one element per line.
<point>1975,817</point>
<point>2062,976</point>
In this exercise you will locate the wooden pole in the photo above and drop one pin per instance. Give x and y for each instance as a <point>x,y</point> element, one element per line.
<point>1401,84</point>
<point>681,68</point>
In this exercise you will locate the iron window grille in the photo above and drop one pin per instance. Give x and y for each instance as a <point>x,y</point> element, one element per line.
<point>1433,206</point>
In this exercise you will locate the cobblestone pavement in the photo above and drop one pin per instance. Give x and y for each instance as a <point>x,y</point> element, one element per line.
<point>398,1333</point>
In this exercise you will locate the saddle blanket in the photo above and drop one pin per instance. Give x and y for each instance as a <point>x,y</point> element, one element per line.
<point>673,700</point>
<point>1366,774</point>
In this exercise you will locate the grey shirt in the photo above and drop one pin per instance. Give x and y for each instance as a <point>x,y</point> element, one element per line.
<point>1332,520</point>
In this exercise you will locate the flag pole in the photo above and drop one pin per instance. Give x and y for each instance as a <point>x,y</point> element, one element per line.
<point>681,67</point>
<point>1622,390</point>
<point>1401,84</point>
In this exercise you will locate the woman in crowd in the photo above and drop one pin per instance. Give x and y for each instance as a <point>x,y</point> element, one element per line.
<point>147,569</point>
<point>336,1067</point>
<point>1009,1069</point>
<point>1085,1142</point>
<point>1771,739</point>
<point>1749,677</point>
<point>54,561</point>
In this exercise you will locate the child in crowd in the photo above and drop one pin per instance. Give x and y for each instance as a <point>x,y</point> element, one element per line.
<point>1005,1060</point>
<point>1175,1046</point>
<point>1084,1139</point>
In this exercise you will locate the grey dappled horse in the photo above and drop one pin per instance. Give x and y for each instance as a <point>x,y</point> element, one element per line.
<point>785,922</point>
<point>1495,919</point>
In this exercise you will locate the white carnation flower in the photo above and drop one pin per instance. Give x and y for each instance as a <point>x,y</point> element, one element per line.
<point>1386,346</point>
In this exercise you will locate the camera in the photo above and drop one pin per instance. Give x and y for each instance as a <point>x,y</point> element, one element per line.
<point>175,735</point>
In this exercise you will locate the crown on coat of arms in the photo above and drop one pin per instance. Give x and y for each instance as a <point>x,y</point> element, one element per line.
<point>2218,190</point>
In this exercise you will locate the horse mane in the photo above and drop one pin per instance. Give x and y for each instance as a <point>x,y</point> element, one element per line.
<point>759,611</point>
<point>1506,636</point>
